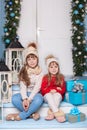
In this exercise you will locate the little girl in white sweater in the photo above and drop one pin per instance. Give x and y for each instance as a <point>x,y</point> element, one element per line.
<point>29,100</point>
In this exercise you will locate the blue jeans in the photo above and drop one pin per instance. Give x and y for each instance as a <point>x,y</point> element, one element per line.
<point>34,106</point>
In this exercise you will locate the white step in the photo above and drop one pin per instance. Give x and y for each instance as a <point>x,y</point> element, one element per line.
<point>66,107</point>
<point>55,129</point>
<point>41,124</point>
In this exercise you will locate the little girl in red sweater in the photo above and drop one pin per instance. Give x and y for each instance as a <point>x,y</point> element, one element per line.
<point>53,89</point>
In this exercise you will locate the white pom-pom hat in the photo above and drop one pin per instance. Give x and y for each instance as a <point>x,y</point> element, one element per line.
<point>49,60</point>
<point>30,50</point>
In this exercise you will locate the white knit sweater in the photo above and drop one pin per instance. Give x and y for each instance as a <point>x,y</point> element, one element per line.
<point>34,87</point>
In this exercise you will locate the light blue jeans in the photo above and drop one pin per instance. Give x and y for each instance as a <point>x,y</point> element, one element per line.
<point>34,106</point>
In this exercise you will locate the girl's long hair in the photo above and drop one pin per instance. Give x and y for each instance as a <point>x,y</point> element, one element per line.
<point>59,77</point>
<point>23,75</point>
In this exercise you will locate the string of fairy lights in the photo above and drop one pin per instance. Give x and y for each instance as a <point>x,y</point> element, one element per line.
<point>12,12</point>
<point>79,50</point>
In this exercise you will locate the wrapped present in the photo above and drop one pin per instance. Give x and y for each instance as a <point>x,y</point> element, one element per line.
<point>75,116</point>
<point>69,85</point>
<point>72,82</point>
<point>77,98</point>
<point>76,90</point>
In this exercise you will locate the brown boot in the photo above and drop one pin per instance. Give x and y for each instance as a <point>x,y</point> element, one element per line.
<point>60,116</point>
<point>50,115</point>
<point>12,117</point>
<point>35,116</point>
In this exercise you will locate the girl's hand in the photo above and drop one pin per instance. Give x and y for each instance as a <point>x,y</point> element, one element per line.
<point>53,91</point>
<point>26,104</point>
<point>59,88</point>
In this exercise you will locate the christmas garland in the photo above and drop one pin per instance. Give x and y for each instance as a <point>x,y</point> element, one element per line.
<point>79,50</point>
<point>12,10</point>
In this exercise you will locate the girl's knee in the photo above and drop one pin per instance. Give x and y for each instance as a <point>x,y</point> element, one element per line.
<point>15,98</point>
<point>48,95</point>
<point>39,98</point>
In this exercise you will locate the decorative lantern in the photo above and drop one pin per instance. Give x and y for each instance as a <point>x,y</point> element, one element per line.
<point>5,83</point>
<point>14,59</point>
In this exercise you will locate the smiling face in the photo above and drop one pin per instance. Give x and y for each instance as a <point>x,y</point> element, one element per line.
<point>53,68</point>
<point>32,61</point>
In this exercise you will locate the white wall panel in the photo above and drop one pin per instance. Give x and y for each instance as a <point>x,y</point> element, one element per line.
<point>54,33</point>
<point>49,22</point>
<point>27,28</point>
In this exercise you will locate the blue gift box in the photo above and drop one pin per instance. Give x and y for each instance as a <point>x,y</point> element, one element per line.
<point>69,85</point>
<point>76,98</point>
<point>76,118</point>
<point>75,115</point>
<point>71,82</point>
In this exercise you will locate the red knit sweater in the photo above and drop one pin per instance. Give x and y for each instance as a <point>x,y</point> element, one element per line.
<point>46,89</point>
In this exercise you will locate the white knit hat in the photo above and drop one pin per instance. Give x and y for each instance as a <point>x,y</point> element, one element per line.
<point>30,50</point>
<point>51,59</point>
